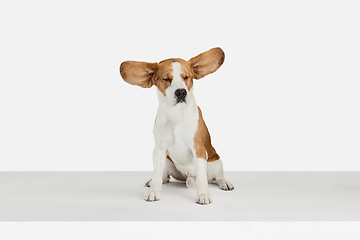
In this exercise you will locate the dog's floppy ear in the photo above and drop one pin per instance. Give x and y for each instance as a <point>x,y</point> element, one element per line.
<point>207,62</point>
<point>138,73</point>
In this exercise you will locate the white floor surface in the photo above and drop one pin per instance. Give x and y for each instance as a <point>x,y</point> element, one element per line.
<point>118,196</point>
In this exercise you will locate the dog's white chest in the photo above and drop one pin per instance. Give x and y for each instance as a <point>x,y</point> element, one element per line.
<point>176,129</point>
<point>180,143</point>
<point>180,149</point>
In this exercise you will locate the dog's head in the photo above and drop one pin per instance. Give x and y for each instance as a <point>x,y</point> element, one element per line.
<point>173,77</point>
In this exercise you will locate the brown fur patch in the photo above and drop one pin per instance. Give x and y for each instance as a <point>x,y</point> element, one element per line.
<point>164,71</point>
<point>202,141</point>
<point>207,62</point>
<point>187,72</point>
<point>138,73</point>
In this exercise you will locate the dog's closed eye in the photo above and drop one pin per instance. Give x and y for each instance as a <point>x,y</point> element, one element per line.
<point>167,80</point>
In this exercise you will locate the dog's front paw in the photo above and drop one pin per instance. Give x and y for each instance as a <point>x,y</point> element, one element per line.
<point>203,198</point>
<point>152,196</point>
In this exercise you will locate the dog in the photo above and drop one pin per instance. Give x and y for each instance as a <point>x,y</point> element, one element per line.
<point>183,147</point>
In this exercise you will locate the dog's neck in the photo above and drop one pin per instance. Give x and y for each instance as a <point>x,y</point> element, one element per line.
<point>180,112</point>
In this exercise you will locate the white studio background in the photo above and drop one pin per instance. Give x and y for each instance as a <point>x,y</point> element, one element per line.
<point>286,99</point>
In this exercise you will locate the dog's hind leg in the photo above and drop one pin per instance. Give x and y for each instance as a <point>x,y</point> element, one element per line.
<point>216,175</point>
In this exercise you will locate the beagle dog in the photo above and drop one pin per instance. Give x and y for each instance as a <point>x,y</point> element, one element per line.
<point>183,147</point>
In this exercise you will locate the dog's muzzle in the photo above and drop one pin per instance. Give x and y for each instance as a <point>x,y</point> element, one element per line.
<point>180,95</point>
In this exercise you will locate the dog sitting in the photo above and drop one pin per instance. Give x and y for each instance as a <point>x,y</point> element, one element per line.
<point>183,147</point>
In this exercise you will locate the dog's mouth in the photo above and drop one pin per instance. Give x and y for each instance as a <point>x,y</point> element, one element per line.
<point>182,100</point>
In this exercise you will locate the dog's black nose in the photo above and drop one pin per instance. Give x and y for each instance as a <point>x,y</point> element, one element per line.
<point>181,93</point>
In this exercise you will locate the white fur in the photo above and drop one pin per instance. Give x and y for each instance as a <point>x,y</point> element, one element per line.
<point>174,131</point>
<point>176,83</point>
